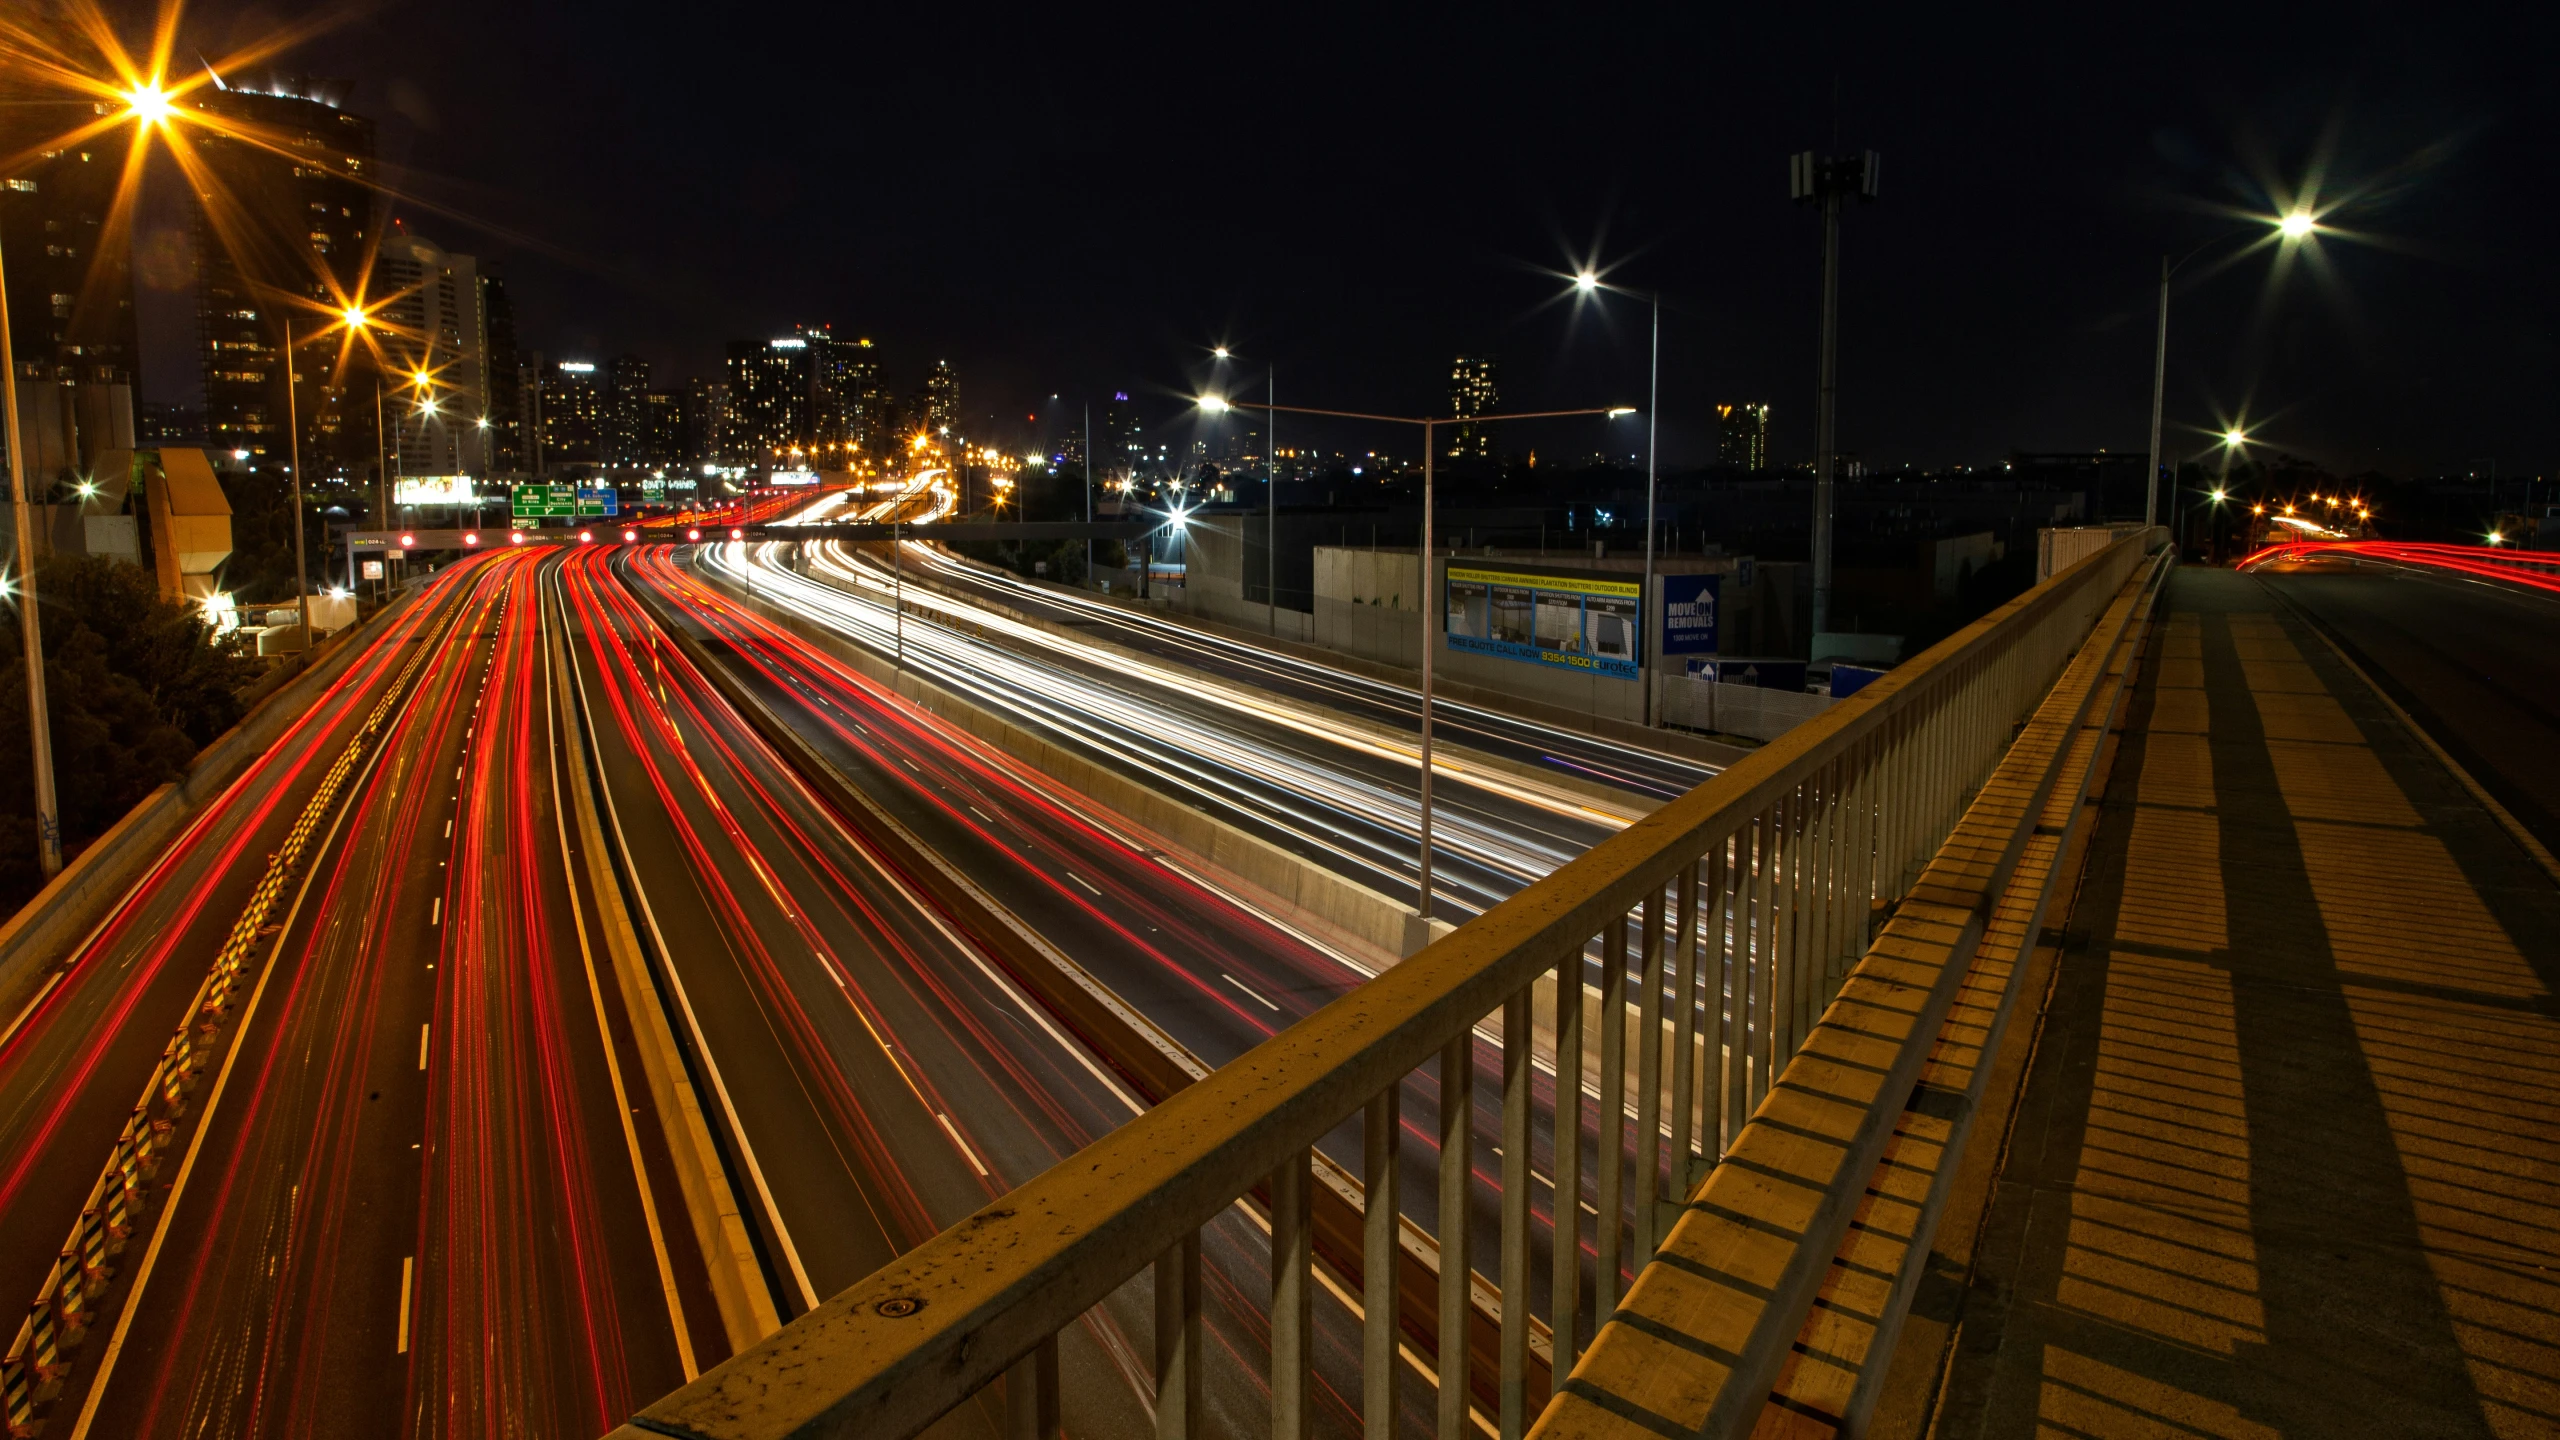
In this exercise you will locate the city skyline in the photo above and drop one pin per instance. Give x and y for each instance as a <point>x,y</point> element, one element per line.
<point>1997,298</point>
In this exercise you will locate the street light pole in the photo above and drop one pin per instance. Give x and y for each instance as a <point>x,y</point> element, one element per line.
<point>1422,907</point>
<point>1652,434</point>
<point>2159,378</point>
<point>1088,494</point>
<point>1217,405</point>
<point>293,448</point>
<point>382,482</point>
<point>1828,181</point>
<point>30,630</point>
<point>1271,495</point>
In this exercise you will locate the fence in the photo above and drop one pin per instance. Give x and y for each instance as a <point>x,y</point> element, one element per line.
<point>1732,709</point>
<point>1754,893</point>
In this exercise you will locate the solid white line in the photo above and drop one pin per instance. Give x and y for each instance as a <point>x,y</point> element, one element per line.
<point>954,1132</point>
<point>407,1262</point>
<point>1084,882</point>
<point>1249,990</point>
<point>422,1044</point>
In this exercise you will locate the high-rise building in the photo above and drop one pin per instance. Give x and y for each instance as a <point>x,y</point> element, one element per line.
<point>1471,393</point>
<point>942,400</point>
<point>844,391</point>
<point>1122,444</point>
<point>770,394</point>
<point>1742,435</point>
<point>291,176</point>
<point>572,415</point>
<point>660,431</point>
<point>626,411</point>
<point>436,328</point>
<point>710,425</point>
<point>500,369</point>
<point>70,286</point>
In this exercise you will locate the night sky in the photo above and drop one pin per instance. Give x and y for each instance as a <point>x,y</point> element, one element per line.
<point>1070,200</point>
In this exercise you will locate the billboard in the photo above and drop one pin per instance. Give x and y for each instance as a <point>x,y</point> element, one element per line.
<point>444,490</point>
<point>1574,622</point>
<point>1689,606</point>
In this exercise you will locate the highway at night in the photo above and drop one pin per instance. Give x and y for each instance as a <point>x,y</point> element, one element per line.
<point>1337,790</point>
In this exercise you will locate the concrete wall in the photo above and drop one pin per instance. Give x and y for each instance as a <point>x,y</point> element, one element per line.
<point>1216,554</point>
<point>1368,605</point>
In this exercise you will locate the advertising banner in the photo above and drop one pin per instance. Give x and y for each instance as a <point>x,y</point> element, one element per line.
<point>451,491</point>
<point>1689,605</point>
<point>1573,622</point>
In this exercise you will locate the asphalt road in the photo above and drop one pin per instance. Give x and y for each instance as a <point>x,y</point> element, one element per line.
<point>1213,976</point>
<point>75,1058</point>
<point>416,1206</point>
<point>1639,771</point>
<point>1341,793</point>
<point>2471,660</point>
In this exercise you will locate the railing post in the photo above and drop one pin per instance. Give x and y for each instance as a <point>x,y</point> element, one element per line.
<point>1292,1313</point>
<point>1031,1394</point>
<point>1610,1151</point>
<point>1381,1251</point>
<point>1684,1029</point>
<point>1764,959</point>
<point>1457,1129</point>
<point>1513,1380</point>
<point>1179,1400</point>
<point>1564,1202</point>
<point>1649,1076</point>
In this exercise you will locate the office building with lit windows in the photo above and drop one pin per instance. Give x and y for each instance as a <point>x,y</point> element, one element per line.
<point>1742,435</point>
<point>294,221</point>
<point>572,415</point>
<point>769,396</point>
<point>71,315</point>
<point>1471,393</point>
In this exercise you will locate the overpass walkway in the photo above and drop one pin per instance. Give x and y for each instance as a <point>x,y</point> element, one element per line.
<point>2286,1156</point>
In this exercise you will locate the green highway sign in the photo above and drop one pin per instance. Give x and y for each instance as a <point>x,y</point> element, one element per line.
<point>568,502</point>
<point>536,501</point>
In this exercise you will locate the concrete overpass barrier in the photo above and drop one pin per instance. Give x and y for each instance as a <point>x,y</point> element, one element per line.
<point>1777,1073</point>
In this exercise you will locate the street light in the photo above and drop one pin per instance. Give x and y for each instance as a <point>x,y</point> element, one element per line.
<point>2292,227</point>
<point>1589,284</point>
<point>355,318</point>
<point>1419,933</point>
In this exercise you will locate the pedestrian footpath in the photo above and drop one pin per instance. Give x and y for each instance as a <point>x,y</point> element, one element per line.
<point>2286,1161</point>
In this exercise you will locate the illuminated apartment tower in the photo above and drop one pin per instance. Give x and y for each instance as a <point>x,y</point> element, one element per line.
<point>439,328</point>
<point>1742,435</point>
<point>1471,393</point>
<point>572,415</point>
<point>942,400</point>
<point>294,212</point>
<point>771,388</point>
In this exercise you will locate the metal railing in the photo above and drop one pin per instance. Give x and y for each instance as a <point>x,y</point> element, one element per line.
<point>1743,905</point>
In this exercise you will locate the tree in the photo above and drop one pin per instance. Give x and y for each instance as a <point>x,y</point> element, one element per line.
<point>136,685</point>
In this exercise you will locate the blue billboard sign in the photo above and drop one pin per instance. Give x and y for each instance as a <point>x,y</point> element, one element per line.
<point>603,500</point>
<point>1689,613</point>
